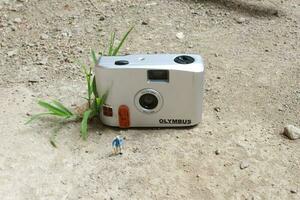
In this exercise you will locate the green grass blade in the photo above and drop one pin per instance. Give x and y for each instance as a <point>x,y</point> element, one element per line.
<point>96,106</point>
<point>55,110</point>
<point>84,69</point>
<point>103,98</point>
<point>55,132</point>
<point>84,124</point>
<point>61,106</point>
<point>95,60</point>
<point>90,90</point>
<point>88,82</point>
<point>111,44</point>
<point>85,98</point>
<point>34,117</point>
<point>94,87</point>
<point>116,50</point>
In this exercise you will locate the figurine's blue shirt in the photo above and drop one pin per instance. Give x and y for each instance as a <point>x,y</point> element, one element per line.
<point>117,142</point>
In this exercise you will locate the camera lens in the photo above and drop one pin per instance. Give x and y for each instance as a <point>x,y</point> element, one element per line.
<point>148,101</point>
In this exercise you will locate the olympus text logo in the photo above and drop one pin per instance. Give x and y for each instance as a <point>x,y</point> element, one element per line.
<point>175,121</point>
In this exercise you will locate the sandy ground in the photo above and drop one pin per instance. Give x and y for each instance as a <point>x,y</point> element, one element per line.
<point>252,55</point>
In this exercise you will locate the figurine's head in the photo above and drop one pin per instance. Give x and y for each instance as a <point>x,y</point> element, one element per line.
<point>118,137</point>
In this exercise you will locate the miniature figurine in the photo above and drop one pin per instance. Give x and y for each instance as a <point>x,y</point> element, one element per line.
<point>117,145</point>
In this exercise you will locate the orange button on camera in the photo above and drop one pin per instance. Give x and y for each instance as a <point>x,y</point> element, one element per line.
<point>124,118</point>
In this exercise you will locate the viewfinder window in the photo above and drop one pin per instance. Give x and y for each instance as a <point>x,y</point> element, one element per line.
<point>158,75</point>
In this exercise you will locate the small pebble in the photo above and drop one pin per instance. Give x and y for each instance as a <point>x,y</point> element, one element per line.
<point>217,109</point>
<point>43,61</point>
<point>244,165</point>
<point>44,36</point>
<point>241,20</point>
<point>79,49</point>
<point>151,4</point>
<point>17,20</point>
<point>293,191</point>
<point>144,23</point>
<point>217,152</point>
<point>180,35</point>
<point>292,132</point>
<point>12,53</point>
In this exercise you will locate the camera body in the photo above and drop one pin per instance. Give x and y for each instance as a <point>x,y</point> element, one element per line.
<point>160,90</point>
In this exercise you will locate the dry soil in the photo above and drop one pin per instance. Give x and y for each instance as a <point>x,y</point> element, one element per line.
<point>252,90</point>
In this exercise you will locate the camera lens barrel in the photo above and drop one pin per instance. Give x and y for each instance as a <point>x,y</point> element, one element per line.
<point>148,101</point>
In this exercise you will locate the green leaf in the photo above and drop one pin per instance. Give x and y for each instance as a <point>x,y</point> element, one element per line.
<point>83,127</point>
<point>111,45</point>
<point>84,69</point>
<point>94,87</point>
<point>85,98</point>
<point>55,132</point>
<point>96,105</point>
<point>95,60</point>
<point>116,50</point>
<point>61,106</point>
<point>55,110</point>
<point>52,142</point>
<point>88,81</point>
<point>34,117</point>
<point>103,98</point>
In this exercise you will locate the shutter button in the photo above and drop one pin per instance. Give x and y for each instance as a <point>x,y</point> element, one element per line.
<point>121,62</point>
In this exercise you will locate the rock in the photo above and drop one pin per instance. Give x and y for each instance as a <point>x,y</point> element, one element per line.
<point>30,44</point>
<point>244,165</point>
<point>217,109</point>
<point>12,53</point>
<point>217,152</point>
<point>17,20</point>
<point>13,28</point>
<point>88,29</point>
<point>180,35</point>
<point>43,61</point>
<point>66,33</point>
<point>3,24</point>
<point>151,4</point>
<point>44,36</point>
<point>280,108</point>
<point>101,18</point>
<point>241,20</point>
<point>292,132</point>
<point>33,79</point>
<point>79,49</point>
<point>293,191</point>
<point>144,23</point>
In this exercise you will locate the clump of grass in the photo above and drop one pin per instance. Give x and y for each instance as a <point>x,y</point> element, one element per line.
<point>94,100</point>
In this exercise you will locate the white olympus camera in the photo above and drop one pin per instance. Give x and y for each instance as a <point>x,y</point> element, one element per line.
<point>161,90</point>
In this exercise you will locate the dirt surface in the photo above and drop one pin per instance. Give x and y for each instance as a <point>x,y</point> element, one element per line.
<point>252,90</point>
